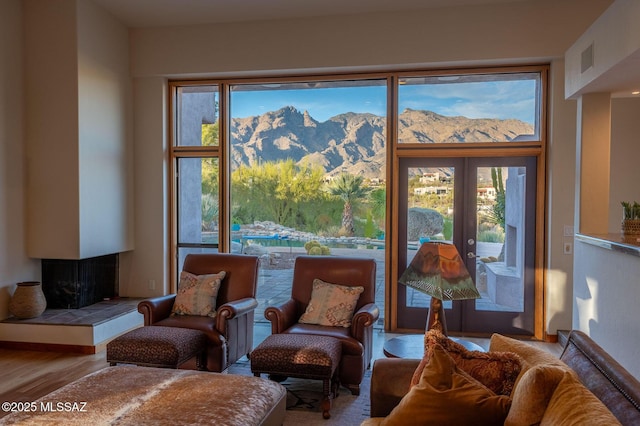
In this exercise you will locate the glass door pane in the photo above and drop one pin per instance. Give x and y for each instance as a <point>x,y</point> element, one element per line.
<point>501,256</point>
<point>430,196</point>
<point>429,216</point>
<point>308,176</point>
<point>197,206</point>
<point>499,263</point>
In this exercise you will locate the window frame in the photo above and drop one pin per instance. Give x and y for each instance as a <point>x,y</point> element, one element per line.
<point>395,151</point>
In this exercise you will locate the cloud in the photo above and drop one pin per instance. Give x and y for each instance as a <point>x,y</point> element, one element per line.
<point>501,99</point>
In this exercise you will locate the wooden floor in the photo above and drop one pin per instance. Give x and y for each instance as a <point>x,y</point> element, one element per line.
<point>28,375</point>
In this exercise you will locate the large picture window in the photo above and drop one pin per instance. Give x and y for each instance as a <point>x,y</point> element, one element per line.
<point>279,167</point>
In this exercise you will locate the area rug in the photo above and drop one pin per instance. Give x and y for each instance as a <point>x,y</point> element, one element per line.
<point>304,397</point>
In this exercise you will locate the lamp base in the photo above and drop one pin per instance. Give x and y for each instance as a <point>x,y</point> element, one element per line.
<point>436,319</point>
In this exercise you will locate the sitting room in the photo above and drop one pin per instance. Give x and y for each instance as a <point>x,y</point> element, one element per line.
<point>206,195</point>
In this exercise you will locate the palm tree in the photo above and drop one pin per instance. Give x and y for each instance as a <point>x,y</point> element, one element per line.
<point>350,189</point>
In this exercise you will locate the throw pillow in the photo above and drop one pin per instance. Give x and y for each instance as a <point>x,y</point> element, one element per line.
<point>197,294</point>
<point>573,404</point>
<point>446,395</point>
<point>331,304</point>
<point>532,395</point>
<point>496,370</point>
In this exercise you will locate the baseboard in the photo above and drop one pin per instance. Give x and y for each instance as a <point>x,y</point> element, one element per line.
<point>49,347</point>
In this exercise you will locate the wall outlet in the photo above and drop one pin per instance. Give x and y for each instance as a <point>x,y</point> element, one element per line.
<point>152,284</point>
<point>568,248</point>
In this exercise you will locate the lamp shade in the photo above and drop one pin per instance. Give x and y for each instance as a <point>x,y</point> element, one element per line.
<point>438,270</point>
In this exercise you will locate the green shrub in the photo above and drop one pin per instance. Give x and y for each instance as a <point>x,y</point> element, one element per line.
<point>491,237</point>
<point>315,250</point>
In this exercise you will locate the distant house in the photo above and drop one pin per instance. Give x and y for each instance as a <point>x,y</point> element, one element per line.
<point>487,193</point>
<point>437,190</point>
<point>430,177</point>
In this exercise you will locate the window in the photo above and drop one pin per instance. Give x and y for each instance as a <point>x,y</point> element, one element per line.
<point>277,166</point>
<point>196,170</point>
<point>469,108</point>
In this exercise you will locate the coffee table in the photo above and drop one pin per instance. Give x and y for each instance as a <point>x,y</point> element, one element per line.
<point>412,346</point>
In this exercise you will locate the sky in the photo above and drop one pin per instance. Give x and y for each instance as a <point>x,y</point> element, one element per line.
<point>500,99</point>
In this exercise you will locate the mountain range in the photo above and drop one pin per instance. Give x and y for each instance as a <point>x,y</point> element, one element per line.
<point>354,142</point>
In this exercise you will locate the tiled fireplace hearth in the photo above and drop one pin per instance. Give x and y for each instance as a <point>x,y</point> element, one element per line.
<point>84,330</point>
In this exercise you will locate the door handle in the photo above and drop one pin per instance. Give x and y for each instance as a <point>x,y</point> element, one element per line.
<point>471,255</point>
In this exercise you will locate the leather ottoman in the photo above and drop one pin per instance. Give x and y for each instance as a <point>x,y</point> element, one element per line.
<point>301,356</point>
<point>155,346</point>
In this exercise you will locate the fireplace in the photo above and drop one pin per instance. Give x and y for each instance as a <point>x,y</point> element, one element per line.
<point>77,283</point>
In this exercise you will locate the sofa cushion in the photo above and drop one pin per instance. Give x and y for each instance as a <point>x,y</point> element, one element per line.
<point>446,395</point>
<point>496,370</point>
<point>531,397</point>
<point>529,354</point>
<point>572,404</point>
<point>331,304</point>
<point>197,294</point>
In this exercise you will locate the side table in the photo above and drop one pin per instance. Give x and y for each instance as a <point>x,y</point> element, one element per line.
<point>412,346</point>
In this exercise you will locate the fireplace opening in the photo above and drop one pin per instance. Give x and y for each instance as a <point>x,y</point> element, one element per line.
<point>73,284</point>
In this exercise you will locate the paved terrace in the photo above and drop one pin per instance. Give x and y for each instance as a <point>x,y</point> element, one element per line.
<point>276,275</point>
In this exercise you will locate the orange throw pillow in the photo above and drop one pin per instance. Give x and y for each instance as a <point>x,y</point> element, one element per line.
<point>496,370</point>
<point>446,395</point>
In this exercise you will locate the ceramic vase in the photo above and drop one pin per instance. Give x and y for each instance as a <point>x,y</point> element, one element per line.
<point>28,300</point>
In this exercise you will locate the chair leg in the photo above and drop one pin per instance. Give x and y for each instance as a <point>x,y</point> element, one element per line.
<point>326,400</point>
<point>355,389</point>
<point>201,361</point>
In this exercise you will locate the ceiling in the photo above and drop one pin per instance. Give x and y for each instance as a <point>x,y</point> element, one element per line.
<point>156,13</point>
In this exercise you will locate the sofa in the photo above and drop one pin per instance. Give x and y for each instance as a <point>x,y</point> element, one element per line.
<point>585,386</point>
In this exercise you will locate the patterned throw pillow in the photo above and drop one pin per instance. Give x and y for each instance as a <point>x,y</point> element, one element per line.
<point>446,395</point>
<point>331,304</point>
<point>496,370</point>
<point>197,294</point>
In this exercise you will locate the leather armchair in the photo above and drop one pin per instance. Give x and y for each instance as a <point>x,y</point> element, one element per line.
<point>356,340</point>
<point>230,333</point>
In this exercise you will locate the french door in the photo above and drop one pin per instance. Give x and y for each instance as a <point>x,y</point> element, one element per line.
<point>485,206</point>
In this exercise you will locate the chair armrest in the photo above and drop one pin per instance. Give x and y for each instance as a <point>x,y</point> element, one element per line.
<point>234,309</point>
<point>281,317</point>
<point>365,317</point>
<point>390,380</point>
<point>156,309</point>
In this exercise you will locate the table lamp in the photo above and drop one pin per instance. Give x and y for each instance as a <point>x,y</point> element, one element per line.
<point>438,270</point>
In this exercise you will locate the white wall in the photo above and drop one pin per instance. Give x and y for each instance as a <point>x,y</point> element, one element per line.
<point>51,133</point>
<point>560,183</point>
<point>15,266</point>
<point>78,103</point>
<point>149,261</point>
<point>606,291</point>
<point>606,284</point>
<point>522,32</point>
<point>615,37</point>
<point>495,33</point>
<point>104,133</point>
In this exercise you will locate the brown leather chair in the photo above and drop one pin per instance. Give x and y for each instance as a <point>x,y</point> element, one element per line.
<point>230,333</point>
<point>357,339</point>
